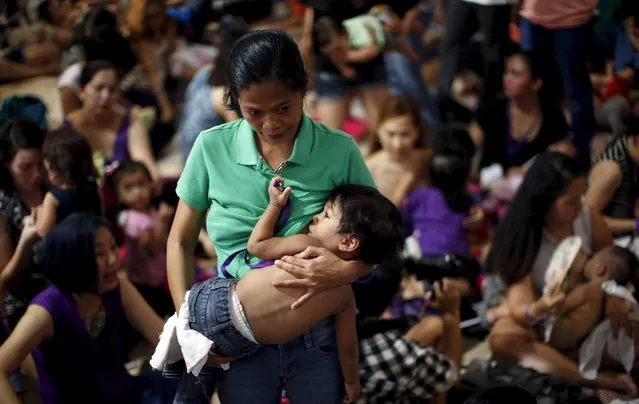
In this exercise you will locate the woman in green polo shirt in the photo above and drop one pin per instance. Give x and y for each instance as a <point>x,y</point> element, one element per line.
<point>227,174</point>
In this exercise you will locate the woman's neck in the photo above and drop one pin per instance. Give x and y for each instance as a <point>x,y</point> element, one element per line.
<point>558,230</point>
<point>274,153</point>
<point>526,104</point>
<point>88,304</point>
<point>92,119</point>
<point>31,198</point>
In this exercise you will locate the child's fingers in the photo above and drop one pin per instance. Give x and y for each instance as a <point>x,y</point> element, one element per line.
<point>286,192</point>
<point>276,181</point>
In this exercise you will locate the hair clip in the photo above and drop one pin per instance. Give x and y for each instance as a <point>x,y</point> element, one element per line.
<point>277,183</point>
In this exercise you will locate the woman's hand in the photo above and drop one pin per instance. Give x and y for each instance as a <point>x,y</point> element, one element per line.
<point>29,229</point>
<point>317,270</point>
<point>475,218</point>
<point>552,302</point>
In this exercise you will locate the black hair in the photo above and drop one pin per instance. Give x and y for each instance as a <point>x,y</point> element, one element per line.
<point>449,174</point>
<point>455,140</point>
<point>231,29</point>
<point>107,44</point>
<point>70,156</point>
<point>89,22</point>
<point>94,67</point>
<point>372,218</point>
<point>264,56</point>
<point>325,28</point>
<point>502,395</point>
<point>518,237</point>
<point>69,260</point>
<point>15,135</point>
<point>624,264</point>
<point>536,64</point>
<point>128,168</point>
<point>627,9</point>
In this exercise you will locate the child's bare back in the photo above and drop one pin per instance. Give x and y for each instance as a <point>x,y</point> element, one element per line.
<point>268,309</point>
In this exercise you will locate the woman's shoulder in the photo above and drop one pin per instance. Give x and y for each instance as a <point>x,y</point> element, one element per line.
<point>52,299</point>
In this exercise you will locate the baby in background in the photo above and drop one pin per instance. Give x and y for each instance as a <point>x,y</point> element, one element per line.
<point>357,223</point>
<point>361,39</point>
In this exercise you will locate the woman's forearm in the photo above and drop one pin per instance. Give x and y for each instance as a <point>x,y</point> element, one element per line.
<point>11,274</point>
<point>6,391</point>
<point>180,270</point>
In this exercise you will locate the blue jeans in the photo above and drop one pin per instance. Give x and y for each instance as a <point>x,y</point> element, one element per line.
<point>404,78</point>
<point>307,368</point>
<point>571,48</point>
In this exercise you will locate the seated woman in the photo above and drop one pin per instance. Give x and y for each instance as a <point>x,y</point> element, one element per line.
<point>75,326</point>
<point>115,134</point>
<point>546,210</point>
<point>515,128</point>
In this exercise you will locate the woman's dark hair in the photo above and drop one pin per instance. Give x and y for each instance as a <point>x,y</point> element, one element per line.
<point>264,56</point>
<point>92,68</point>
<point>518,236</point>
<point>449,173</point>
<point>69,260</point>
<point>324,30</point>
<point>536,64</point>
<point>70,156</point>
<point>231,29</point>
<point>107,44</point>
<point>90,21</point>
<point>15,135</point>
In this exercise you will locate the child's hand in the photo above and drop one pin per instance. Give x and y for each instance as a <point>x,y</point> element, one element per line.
<point>445,297</point>
<point>165,211</point>
<point>29,228</point>
<point>277,193</point>
<point>553,301</point>
<point>352,391</point>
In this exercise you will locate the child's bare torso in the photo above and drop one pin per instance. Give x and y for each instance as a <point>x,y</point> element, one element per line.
<point>268,309</point>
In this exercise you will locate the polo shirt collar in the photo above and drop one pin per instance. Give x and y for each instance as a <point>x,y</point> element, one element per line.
<point>247,153</point>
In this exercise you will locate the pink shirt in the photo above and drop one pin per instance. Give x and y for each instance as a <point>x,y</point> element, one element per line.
<point>558,13</point>
<point>142,267</point>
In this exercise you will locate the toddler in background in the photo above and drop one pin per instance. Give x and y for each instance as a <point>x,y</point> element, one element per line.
<point>361,39</point>
<point>73,178</point>
<point>398,149</point>
<point>146,230</point>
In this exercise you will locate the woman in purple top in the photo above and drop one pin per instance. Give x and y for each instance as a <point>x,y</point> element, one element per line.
<point>75,326</point>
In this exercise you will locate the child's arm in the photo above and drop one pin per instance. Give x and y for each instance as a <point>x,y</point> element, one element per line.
<point>366,53</point>
<point>154,240</point>
<point>348,348</point>
<point>262,244</point>
<point>47,215</point>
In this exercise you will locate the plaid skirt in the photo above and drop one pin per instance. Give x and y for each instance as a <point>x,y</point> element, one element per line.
<point>396,370</point>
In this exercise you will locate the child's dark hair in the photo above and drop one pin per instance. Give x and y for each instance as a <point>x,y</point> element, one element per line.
<point>264,56</point>
<point>128,168</point>
<point>94,67</point>
<point>70,156</point>
<point>15,135</point>
<point>373,218</point>
<point>449,173</point>
<point>69,253</point>
<point>624,263</point>
<point>400,105</point>
<point>324,29</point>
<point>502,395</point>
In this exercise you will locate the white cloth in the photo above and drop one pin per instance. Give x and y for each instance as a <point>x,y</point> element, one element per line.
<point>178,341</point>
<point>492,2</point>
<point>621,349</point>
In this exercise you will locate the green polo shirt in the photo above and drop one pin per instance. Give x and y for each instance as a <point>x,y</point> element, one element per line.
<point>224,174</point>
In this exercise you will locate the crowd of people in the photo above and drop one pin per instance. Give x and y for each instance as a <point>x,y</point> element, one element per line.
<point>375,183</point>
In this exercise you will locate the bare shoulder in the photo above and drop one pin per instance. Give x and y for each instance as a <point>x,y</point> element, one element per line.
<point>606,170</point>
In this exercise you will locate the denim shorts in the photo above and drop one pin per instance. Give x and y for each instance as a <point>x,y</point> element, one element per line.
<point>331,85</point>
<point>209,315</point>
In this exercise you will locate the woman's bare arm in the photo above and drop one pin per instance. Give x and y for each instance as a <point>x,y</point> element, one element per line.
<point>139,142</point>
<point>180,250</point>
<point>34,327</point>
<point>47,215</point>
<point>138,312</point>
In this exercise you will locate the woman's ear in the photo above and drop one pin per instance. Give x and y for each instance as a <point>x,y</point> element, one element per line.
<point>537,84</point>
<point>349,243</point>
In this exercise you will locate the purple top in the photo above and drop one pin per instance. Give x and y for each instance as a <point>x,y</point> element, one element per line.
<point>437,228</point>
<point>73,367</point>
<point>121,147</point>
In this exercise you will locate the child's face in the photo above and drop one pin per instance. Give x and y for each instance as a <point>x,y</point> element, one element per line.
<point>135,190</point>
<point>398,135</point>
<point>107,259</point>
<point>52,175</point>
<point>325,227</point>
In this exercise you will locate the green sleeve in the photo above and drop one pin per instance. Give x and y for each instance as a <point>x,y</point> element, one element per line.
<point>356,170</point>
<point>193,186</point>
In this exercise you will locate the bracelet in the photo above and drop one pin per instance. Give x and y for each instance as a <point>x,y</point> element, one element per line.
<point>531,320</point>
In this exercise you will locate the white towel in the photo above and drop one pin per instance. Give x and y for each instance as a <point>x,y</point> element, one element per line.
<point>179,341</point>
